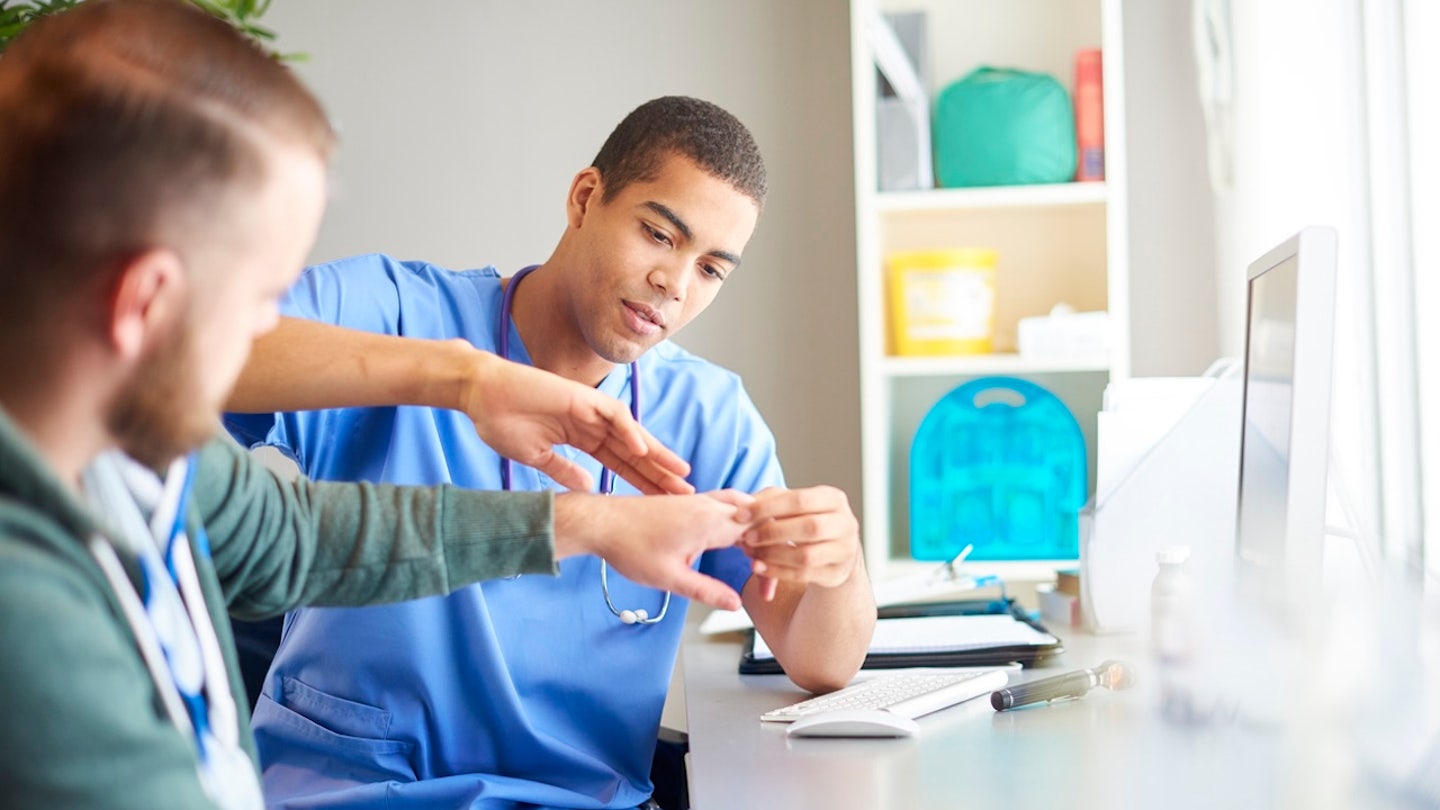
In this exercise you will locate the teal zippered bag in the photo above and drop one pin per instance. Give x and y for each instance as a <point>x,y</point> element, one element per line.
<point>1003,127</point>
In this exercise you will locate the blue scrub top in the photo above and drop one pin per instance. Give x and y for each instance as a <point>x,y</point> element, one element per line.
<point>525,692</point>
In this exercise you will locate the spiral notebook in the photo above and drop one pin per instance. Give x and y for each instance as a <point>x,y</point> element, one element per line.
<point>969,633</point>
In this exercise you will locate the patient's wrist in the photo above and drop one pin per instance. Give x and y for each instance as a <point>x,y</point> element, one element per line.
<point>582,524</point>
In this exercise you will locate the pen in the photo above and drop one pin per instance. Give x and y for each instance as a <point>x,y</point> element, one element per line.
<point>1111,675</point>
<point>948,570</point>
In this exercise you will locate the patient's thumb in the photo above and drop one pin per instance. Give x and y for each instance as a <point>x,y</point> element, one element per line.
<point>707,590</point>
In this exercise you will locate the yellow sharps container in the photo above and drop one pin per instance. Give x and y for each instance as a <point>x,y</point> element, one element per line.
<point>942,301</point>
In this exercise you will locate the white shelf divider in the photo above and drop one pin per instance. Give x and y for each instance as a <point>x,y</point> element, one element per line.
<point>962,199</point>
<point>985,364</point>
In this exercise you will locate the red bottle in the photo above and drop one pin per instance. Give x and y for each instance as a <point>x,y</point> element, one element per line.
<point>1089,116</point>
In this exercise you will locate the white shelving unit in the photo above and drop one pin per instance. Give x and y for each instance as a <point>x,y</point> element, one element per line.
<point>1057,243</point>
<point>980,199</point>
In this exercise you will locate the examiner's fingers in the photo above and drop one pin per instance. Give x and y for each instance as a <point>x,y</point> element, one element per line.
<point>825,575</point>
<point>740,500</point>
<point>802,530</point>
<point>778,503</point>
<point>768,587</point>
<point>802,555</point>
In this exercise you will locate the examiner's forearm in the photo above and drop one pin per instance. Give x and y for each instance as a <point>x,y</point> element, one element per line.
<point>305,365</point>
<point>823,643</point>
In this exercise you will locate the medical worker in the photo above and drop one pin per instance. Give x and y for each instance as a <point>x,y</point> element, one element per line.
<point>161,180</point>
<point>536,692</point>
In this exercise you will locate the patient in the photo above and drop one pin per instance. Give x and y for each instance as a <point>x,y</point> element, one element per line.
<point>161,180</point>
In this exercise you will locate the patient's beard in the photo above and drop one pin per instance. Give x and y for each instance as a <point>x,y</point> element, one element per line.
<point>159,414</point>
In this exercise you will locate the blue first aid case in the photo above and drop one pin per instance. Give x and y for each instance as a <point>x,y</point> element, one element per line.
<point>999,463</point>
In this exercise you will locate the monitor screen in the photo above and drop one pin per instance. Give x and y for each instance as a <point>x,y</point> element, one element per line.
<point>1269,395</point>
<point>1285,439</point>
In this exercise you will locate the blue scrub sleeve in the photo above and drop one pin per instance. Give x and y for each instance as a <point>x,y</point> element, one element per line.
<point>729,565</point>
<point>249,429</point>
<point>362,292</point>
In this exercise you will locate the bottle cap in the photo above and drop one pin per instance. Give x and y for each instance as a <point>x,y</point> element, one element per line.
<point>1174,555</point>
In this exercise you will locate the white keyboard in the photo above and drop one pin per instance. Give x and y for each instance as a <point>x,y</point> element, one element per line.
<point>908,694</point>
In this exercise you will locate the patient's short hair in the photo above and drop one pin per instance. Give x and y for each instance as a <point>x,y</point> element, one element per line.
<point>126,125</point>
<point>703,132</point>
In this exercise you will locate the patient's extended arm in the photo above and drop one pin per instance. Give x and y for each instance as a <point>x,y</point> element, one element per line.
<point>521,412</point>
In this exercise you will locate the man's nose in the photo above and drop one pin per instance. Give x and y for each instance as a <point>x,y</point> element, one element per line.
<point>671,279</point>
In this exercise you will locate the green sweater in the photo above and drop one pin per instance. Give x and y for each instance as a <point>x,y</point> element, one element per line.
<point>81,723</point>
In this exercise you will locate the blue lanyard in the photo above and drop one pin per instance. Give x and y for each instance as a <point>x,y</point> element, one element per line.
<point>195,702</point>
<point>507,305</point>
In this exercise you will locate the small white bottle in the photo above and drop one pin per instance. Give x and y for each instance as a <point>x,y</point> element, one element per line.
<point>1170,606</point>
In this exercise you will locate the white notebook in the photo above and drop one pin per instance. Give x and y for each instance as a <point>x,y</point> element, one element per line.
<point>938,634</point>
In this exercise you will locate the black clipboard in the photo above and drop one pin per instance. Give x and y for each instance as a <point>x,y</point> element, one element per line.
<point>1026,655</point>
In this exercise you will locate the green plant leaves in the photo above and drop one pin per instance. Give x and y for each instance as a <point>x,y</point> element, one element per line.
<point>242,14</point>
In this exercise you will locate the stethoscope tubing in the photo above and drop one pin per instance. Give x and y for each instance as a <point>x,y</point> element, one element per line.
<point>607,478</point>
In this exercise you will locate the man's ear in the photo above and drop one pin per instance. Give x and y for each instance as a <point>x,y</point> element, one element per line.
<point>148,294</point>
<point>585,190</point>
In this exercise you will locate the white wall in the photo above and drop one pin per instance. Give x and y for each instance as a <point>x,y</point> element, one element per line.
<point>1173,329</point>
<point>462,124</point>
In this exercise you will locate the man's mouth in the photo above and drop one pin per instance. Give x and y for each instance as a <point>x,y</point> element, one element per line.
<point>646,313</point>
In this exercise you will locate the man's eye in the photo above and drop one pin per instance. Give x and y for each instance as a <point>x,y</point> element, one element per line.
<point>713,272</point>
<point>656,235</point>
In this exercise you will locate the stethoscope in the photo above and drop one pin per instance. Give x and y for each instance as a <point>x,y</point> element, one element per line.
<point>607,478</point>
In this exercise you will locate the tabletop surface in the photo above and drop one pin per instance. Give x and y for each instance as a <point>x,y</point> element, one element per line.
<point>1106,750</point>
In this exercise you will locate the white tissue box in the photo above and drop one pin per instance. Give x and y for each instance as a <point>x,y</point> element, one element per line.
<point>1065,336</point>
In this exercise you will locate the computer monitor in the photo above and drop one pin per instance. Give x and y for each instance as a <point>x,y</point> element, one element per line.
<point>1285,443</point>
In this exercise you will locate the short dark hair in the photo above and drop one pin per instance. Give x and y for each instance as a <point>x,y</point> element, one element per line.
<point>703,132</point>
<point>126,124</point>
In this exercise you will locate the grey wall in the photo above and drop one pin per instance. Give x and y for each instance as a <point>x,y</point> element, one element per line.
<point>462,124</point>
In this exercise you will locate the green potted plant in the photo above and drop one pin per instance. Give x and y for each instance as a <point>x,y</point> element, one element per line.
<point>15,15</point>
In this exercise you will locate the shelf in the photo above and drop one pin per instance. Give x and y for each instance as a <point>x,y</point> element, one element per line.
<point>1060,242</point>
<point>985,364</point>
<point>960,199</point>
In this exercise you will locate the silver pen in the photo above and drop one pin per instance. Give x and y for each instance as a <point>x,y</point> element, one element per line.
<point>1111,675</point>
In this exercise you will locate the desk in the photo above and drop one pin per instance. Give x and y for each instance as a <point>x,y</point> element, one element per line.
<point>1107,750</point>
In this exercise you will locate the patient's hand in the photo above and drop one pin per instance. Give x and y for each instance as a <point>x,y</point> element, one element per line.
<point>654,540</point>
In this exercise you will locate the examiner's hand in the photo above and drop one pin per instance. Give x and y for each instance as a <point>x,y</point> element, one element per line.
<point>654,540</point>
<point>803,536</point>
<point>523,412</point>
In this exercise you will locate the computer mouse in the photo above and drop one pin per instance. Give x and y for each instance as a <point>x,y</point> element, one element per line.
<point>854,723</point>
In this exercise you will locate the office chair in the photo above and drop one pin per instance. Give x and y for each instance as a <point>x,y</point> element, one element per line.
<point>667,770</point>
